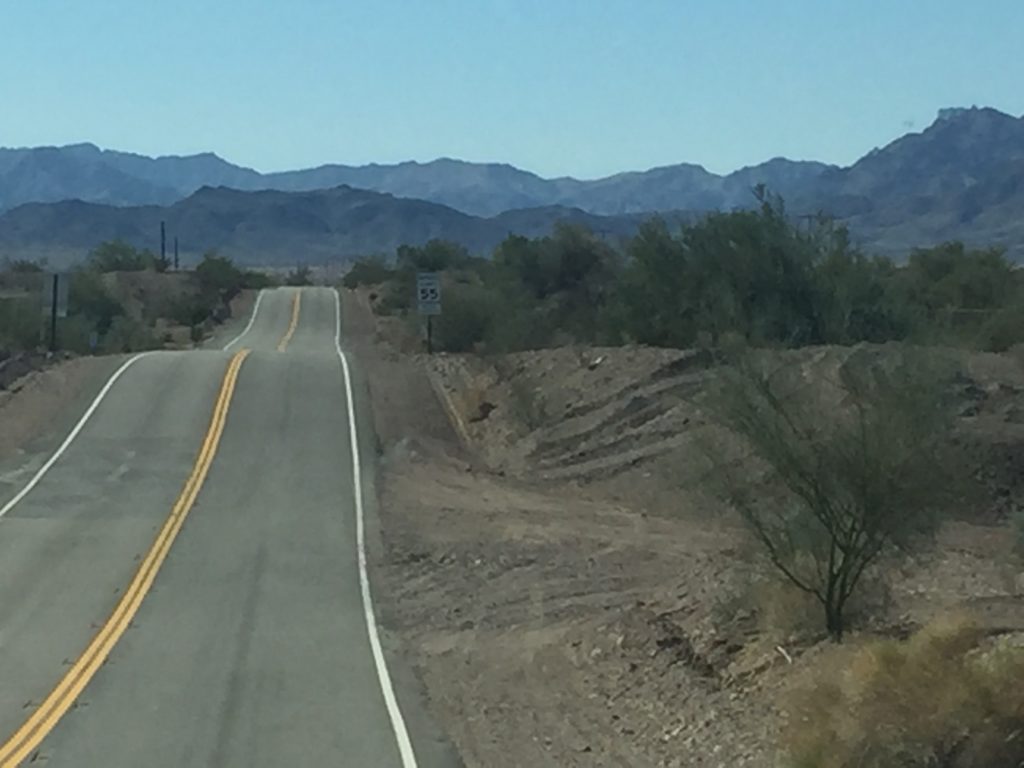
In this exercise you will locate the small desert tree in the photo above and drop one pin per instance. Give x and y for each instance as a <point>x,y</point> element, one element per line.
<point>849,462</point>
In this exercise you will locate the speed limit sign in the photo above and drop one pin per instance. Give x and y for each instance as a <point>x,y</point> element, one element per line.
<point>428,293</point>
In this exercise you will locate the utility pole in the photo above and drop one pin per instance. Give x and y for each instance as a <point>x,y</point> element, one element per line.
<point>163,242</point>
<point>55,302</point>
<point>176,264</point>
<point>54,298</point>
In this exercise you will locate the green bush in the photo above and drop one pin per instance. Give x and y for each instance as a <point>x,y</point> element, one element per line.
<point>373,270</point>
<point>119,256</point>
<point>467,318</point>
<point>751,274</point>
<point>849,465</point>
<point>216,280</point>
<point>1017,524</point>
<point>255,280</point>
<point>21,266</point>
<point>20,324</point>
<point>75,333</point>
<point>517,326</point>
<point>192,309</point>
<point>950,276</point>
<point>218,277</point>
<point>1003,329</point>
<point>435,256</point>
<point>89,297</point>
<point>396,298</point>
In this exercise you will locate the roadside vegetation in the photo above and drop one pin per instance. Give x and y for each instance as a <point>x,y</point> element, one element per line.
<point>121,299</point>
<point>948,696</point>
<point>830,475</point>
<point>757,275</point>
<point>838,475</point>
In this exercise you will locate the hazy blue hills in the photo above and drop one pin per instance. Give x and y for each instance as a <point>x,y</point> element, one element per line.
<point>273,227</point>
<point>962,177</point>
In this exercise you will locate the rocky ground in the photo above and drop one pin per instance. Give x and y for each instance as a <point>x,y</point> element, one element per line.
<point>571,595</point>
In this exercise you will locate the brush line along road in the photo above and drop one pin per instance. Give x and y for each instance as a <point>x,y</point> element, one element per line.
<point>183,578</point>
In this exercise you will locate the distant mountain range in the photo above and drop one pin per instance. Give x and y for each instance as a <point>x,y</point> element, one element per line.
<point>85,172</point>
<point>275,228</point>
<point>963,177</point>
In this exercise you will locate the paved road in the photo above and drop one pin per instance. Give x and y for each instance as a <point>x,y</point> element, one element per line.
<point>251,648</point>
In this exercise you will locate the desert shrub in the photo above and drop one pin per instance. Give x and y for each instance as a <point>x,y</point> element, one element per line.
<point>847,465</point>
<point>218,277</point>
<point>1003,329</point>
<point>129,335</point>
<point>745,272</point>
<point>89,297</point>
<point>119,256</point>
<point>192,309</point>
<point>254,280</point>
<point>1017,524</point>
<point>952,276</point>
<point>937,699</point>
<point>373,270</point>
<point>564,281</point>
<point>434,256</point>
<point>76,332</point>
<point>758,274</point>
<point>20,324</point>
<point>518,326</point>
<point>466,319</point>
<point>217,280</point>
<point>21,266</point>
<point>394,299</point>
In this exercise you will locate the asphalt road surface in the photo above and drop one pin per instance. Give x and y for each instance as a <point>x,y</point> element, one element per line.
<point>182,587</point>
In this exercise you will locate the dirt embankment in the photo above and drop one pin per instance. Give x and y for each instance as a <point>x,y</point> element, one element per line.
<point>569,593</point>
<point>32,399</point>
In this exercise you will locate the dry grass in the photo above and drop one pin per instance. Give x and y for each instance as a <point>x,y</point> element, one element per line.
<point>945,697</point>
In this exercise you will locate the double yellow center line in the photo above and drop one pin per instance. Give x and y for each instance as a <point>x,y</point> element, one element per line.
<point>39,724</point>
<point>296,306</point>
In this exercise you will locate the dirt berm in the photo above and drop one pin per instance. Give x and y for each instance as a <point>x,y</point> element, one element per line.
<point>569,595</point>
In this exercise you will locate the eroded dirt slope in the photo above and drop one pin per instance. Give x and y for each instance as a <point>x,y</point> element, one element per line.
<point>570,595</point>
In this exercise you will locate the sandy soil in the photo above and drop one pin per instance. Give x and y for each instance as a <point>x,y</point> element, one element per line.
<point>31,405</point>
<point>568,594</point>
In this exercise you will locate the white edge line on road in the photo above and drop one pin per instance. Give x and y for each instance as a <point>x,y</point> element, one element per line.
<point>71,435</point>
<point>248,327</point>
<point>383,677</point>
<point>92,409</point>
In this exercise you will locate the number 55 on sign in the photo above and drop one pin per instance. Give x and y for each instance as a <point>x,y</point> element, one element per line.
<point>428,293</point>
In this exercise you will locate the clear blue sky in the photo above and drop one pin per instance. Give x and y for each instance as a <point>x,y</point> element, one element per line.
<point>580,87</point>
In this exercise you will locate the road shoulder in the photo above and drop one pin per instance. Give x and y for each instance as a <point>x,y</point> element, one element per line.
<point>373,406</point>
<point>40,408</point>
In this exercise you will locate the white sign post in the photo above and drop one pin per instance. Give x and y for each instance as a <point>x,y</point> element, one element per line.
<point>428,301</point>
